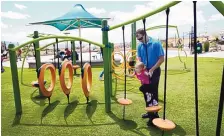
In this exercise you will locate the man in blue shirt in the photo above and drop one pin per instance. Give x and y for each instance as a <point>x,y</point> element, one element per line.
<point>152,55</point>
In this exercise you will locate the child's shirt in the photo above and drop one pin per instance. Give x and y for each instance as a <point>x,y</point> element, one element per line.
<point>143,77</point>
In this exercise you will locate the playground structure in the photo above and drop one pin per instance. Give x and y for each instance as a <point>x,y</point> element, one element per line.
<point>118,69</point>
<point>107,51</point>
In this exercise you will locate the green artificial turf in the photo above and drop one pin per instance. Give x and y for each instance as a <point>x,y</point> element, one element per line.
<point>78,118</point>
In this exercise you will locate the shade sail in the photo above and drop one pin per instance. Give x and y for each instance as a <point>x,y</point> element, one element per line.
<point>76,18</point>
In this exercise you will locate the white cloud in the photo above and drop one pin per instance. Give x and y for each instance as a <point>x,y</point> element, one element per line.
<point>17,37</point>
<point>14,15</point>
<point>96,11</point>
<point>4,25</point>
<point>202,3</point>
<point>216,17</point>
<point>180,15</point>
<point>19,6</point>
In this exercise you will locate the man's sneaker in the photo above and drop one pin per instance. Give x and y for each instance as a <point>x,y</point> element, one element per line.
<point>146,115</point>
<point>149,123</point>
<point>156,115</point>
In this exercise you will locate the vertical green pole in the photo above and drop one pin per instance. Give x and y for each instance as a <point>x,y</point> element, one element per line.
<point>73,55</point>
<point>110,67</point>
<point>112,48</point>
<point>73,52</point>
<point>133,38</point>
<point>106,65</point>
<point>37,54</point>
<point>15,80</point>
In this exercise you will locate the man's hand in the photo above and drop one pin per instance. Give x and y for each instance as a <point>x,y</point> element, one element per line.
<point>159,62</point>
<point>150,72</point>
<point>146,73</point>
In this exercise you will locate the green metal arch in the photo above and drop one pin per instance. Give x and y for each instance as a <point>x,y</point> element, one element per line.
<point>164,26</point>
<point>59,37</point>
<point>54,43</point>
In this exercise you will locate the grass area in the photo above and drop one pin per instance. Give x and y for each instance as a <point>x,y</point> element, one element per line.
<point>78,118</point>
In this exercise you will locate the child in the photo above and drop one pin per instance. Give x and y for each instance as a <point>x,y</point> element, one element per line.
<point>143,75</point>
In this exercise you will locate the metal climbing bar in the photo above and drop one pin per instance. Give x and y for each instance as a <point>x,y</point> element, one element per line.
<point>146,15</point>
<point>219,6</point>
<point>195,68</point>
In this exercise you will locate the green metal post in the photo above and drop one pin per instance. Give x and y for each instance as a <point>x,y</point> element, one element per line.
<point>73,53</point>
<point>106,68</point>
<point>133,39</point>
<point>133,36</point>
<point>112,48</point>
<point>37,54</point>
<point>110,67</point>
<point>15,80</point>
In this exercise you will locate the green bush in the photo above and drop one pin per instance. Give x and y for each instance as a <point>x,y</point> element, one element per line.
<point>206,46</point>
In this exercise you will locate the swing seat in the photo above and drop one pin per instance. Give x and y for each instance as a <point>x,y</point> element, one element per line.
<point>165,125</point>
<point>153,108</point>
<point>124,101</point>
<point>75,66</point>
<point>36,84</point>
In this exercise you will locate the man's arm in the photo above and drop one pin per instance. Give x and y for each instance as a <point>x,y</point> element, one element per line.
<point>160,54</point>
<point>139,53</point>
<point>158,63</point>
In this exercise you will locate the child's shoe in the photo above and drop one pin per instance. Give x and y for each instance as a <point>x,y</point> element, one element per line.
<point>154,103</point>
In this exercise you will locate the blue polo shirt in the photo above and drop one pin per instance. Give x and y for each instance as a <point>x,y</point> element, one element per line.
<point>154,50</point>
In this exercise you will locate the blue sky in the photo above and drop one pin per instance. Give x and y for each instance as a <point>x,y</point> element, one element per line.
<point>15,15</point>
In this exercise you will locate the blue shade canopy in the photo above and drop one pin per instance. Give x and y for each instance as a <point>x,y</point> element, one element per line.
<point>76,18</point>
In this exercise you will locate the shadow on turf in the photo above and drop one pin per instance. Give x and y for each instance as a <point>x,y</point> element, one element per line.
<point>49,109</point>
<point>39,100</point>
<point>69,109</point>
<point>55,125</point>
<point>154,131</point>
<point>90,109</point>
<point>129,125</point>
<point>16,120</point>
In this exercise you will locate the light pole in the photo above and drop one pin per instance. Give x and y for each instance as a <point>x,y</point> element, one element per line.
<point>66,33</point>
